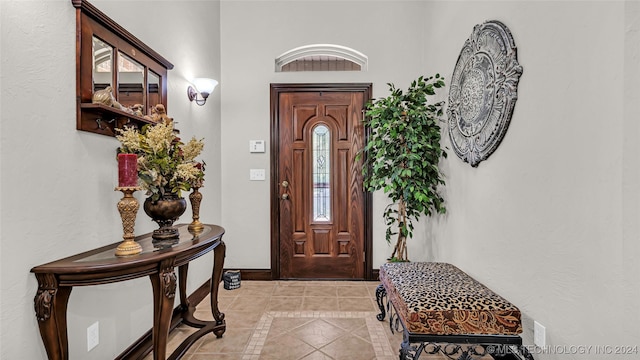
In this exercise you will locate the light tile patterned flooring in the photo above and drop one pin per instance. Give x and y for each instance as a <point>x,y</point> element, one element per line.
<point>295,320</point>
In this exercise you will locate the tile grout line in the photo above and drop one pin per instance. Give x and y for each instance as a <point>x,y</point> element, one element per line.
<point>379,340</point>
<point>258,338</point>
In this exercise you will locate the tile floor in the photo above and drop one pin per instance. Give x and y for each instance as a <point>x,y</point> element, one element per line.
<point>295,320</point>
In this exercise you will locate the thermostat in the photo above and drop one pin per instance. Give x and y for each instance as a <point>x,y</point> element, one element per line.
<point>256,146</point>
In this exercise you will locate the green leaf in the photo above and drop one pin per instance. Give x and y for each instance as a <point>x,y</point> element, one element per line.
<point>403,153</point>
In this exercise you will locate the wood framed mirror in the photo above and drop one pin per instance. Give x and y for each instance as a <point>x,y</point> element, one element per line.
<point>109,59</point>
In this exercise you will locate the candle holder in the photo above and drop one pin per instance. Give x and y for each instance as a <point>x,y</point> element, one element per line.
<point>128,207</point>
<point>195,198</point>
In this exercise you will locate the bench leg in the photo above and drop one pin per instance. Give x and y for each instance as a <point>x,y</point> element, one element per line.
<point>381,293</point>
<point>408,352</point>
<point>412,351</point>
<point>519,353</point>
<point>507,352</point>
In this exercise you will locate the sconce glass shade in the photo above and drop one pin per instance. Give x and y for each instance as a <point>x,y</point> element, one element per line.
<point>204,87</point>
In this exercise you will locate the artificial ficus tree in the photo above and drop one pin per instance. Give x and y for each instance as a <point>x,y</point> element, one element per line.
<point>402,157</point>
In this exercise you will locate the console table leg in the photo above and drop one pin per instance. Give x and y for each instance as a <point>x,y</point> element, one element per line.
<point>182,285</point>
<point>50,304</point>
<point>186,309</point>
<point>164,292</point>
<point>218,264</point>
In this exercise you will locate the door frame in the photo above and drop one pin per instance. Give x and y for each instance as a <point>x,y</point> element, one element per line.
<point>276,89</point>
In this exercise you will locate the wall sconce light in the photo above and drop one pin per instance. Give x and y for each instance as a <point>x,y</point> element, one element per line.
<point>204,87</point>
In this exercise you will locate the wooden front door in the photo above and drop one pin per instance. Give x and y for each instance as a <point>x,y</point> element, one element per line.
<point>319,206</point>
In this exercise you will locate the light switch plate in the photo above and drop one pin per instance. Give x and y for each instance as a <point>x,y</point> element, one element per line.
<point>257,174</point>
<point>256,146</point>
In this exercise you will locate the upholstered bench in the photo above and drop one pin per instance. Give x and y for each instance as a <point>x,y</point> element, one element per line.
<point>442,309</point>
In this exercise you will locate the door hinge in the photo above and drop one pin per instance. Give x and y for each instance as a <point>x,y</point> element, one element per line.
<point>364,255</point>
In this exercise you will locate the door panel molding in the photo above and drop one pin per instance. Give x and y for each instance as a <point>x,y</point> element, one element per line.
<point>276,188</point>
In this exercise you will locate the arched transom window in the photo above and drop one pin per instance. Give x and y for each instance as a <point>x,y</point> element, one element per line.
<point>322,57</point>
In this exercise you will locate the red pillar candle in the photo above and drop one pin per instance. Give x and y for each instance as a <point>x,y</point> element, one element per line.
<point>127,170</point>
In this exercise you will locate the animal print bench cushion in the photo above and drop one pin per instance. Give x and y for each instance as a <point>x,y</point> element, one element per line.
<point>440,299</point>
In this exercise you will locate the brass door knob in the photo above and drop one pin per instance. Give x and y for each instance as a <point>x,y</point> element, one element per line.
<point>285,184</point>
<point>285,196</point>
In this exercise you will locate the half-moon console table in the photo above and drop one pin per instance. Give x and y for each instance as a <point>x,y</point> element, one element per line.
<point>158,261</point>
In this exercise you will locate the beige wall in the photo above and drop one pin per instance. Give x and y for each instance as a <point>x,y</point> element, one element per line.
<point>57,183</point>
<point>550,221</point>
<point>254,34</point>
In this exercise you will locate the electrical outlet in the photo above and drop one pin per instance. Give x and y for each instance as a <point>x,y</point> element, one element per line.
<point>539,336</point>
<point>93,336</point>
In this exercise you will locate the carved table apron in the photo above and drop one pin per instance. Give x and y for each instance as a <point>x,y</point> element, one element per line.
<point>101,266</point>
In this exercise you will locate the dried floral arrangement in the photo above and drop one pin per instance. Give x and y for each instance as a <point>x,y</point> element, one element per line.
<point>165,164</point>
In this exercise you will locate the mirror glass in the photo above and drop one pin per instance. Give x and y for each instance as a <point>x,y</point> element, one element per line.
<point>154,89</point>
<point>130,81</point>
<point>102,64</point>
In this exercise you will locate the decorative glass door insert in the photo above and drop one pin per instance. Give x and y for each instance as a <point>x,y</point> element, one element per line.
<point>321,173</point>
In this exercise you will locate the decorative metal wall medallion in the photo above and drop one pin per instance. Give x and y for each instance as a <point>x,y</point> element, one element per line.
<point>483,92</point>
